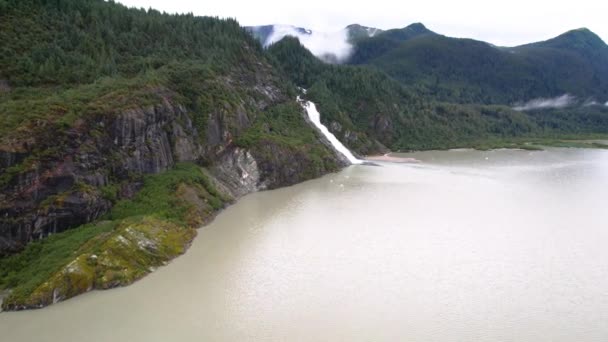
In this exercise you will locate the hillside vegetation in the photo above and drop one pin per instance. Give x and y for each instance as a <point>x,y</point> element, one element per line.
<point>108,114</point>
<point>361,99</point>
<point>124,129</point>
<point>470,71</point>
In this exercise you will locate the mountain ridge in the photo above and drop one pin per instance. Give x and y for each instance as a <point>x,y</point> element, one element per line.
<point>570,36</point>
<point>471,71</point>
<point>466,70</point>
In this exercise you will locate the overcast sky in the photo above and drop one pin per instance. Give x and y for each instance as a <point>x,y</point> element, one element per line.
<point>507,23</point>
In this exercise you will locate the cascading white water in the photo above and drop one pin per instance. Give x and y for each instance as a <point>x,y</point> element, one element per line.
<point>315,117</point>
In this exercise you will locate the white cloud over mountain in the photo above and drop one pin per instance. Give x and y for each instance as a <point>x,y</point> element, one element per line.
<point>333,46</point>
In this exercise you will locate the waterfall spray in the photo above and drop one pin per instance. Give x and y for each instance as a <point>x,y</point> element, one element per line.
<point>315,118</point>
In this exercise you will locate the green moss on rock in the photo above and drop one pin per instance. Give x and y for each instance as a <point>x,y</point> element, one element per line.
<point>143,233</point>
<point>118,258</point>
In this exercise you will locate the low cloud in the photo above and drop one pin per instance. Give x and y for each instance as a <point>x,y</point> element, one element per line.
<point>590,102</point>
<point>330,47</point>
<point>557,102</point>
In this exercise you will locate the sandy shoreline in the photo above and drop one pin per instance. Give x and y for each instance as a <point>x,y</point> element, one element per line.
<point>388,158</point>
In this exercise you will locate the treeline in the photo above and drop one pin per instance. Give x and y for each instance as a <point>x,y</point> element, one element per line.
<point>403,98</point>
<point>51,42</point>
<point>70,59</point>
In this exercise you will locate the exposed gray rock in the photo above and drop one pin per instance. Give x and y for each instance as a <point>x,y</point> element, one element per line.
<point>141,137</point>
<point>216,131</point>
<point>8,159</point>
<point>335,127</point>
<point>59,194</point>
<point>185,138</point>
<point>4,86</point>
<point>239,172</point>
<point>62,191</point>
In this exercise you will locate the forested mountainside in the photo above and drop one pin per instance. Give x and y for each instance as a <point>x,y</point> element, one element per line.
<point>475,72</point>
<point>124,129</point>
<point>470,71</point>
<point>357,100</point>
<point>99,105</point>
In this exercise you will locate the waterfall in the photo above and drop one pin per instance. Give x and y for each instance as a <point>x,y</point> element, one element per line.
<point>315,117</point>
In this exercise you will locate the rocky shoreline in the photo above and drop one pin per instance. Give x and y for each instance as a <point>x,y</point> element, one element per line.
<point>137,247</point>
<point>96,168</point>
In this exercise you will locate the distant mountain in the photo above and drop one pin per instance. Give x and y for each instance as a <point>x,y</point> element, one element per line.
<point>582,40</point>
<point>471,71</point>
<point>371,47</point>
<point>365,108</point>
<point>465,70</point>
<point>357,32</point>
<point>408,32</point>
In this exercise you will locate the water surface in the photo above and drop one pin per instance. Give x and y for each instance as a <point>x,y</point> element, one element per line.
<point>465,246</point>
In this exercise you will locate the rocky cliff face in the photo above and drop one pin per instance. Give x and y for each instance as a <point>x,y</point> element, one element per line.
<point>121,148</point>
<point>48,195</point>
<point>4,86</point>
<point>62,188</point>
<point>357,141</point>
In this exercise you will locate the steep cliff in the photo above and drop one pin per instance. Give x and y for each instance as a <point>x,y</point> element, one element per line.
<point>117,144</point>
<point>61,180</point>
